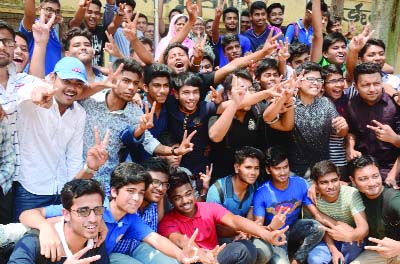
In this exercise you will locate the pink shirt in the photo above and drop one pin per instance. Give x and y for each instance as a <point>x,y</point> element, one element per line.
<point>207,216</point>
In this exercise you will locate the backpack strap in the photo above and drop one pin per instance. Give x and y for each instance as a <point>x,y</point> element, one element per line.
<point>220,192</point>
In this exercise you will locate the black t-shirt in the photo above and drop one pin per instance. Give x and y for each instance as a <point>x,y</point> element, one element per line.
<point>98,42</point>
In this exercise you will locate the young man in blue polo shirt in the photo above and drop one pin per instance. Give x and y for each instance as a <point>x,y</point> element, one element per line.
<point>235,192</point>
<point>129,182</point>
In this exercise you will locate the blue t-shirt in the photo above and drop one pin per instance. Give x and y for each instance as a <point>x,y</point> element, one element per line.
<point>129,226</point>
<point>53,49</point>
<point>268,199</point>
<point>257,40</point>
<point>231,201</point>
<point>245,44</point>
<point>303,35</point>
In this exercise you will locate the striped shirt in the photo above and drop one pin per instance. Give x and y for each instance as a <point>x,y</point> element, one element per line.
<point>7,157</point>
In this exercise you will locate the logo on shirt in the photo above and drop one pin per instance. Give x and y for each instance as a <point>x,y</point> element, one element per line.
<point>252,124</point>
<point>274,209</point>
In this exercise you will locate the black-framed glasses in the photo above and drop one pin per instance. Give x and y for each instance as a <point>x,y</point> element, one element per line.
<point>313,79</point>
<point>8,42</point>
<point>85,211</point>
<point>335,81</point>
<point>158,184</point>
<point>49,11</point>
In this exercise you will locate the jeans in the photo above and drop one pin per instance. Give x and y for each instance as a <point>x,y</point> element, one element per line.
<point>149,255</point>
<point>6,207</point>
<point>24,200</point>
<point>238,252</point>
<point>308,232</point>
<point>264,249</point>
<point>321,254</point>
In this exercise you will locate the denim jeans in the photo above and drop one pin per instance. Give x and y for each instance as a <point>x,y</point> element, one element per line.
<point>24,200</point>
<point>321,254</point>
<point>149,255</point>
<point>238,252</point>
<point>307,231</point>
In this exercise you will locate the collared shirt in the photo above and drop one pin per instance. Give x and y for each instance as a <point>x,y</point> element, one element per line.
<point>303,35</point>
<point>8,101</point>
<point>310,136</point>
<point>205,219</point>
<point>122,43</point>
<point>360,114</point>
<point>51,144</point>
<point>53,48</point>
<point>150,217</point>
<point>98,115</point>
<point>7,157</point>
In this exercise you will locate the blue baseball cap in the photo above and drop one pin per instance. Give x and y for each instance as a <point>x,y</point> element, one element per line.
<point>71,68</point>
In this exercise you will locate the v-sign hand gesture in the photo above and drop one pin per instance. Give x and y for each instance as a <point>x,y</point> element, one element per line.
<point>146,120</point>
<point>41,29</point>
<point>130,27</point>
<point>97,155</point>
<point>186,145</point>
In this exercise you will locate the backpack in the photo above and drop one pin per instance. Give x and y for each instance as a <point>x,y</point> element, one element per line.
<point>229,193</point>
<point>296,31</point>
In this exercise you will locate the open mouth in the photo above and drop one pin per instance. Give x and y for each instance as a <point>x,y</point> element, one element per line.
<point>70,94</point>
<point>18,60</point>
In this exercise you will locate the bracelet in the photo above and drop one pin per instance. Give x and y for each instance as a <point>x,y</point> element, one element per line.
<point>173,151</point>
<point>88,170</point>
<point>276,119</point>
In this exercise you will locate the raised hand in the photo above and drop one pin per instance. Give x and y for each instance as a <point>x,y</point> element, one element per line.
<point>130,26</point>
<point>206,177</point>
<point>192,10</point>
<point>186,145</point>
<point>75,259</point>
<point>111,47</point>
<point>383,132</point>
<point>97,155</point>
<point>283,53</point>
<point>146,120</point>
<point>271,43</point>
<point>215,96</point>
<point>237,93</point>
<point>190,250</point>
<point>43,95</point>
<point>41,29</point>
<point>359,41</point>
<point>386,247</point>
<point>112,78</point>
<point>280,218</point>
<point>84,3</point>
<point>198,49</point>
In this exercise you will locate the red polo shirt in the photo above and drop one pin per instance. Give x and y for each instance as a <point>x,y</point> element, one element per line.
<point>207,216</point>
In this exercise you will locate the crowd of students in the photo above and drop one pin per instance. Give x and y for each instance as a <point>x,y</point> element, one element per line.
<point>262,144</point>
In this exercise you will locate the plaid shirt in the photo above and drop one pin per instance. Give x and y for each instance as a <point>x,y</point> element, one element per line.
<point>7,158</point>
<point>150,217</point>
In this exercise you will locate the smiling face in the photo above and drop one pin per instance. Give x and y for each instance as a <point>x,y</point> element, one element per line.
<point>128,198</point>
<point>92,16</point>
<point>184,200</point>
<point>369,87</point>
<point>368,181</point>
<point>259,18</point>
<point>178,60</point>
<point>66,91</point>
<point>275,18</point>
<point>280,172</point>
<point>81,48</point>
<point>297,61</point>
<point>142,24</point>
<point>127,87</point>
<point>269,78</point>
<point>6,53</point>
<point>50,10</point>
<point>231,21</point>
<point>309,88</point>
<point>189,97</point>
<point>334,86</point>
<point>198,27</point>
<point>336,53</point>
<point>248,171</point>
<point>374,54</point>
<point>21,53</point>
<point>329,186</point>
<point>149,33</point>
<point>157,190</point>
<point>84,227</point>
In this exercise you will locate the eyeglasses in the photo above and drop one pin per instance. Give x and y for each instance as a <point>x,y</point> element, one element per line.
<point>85,211</point>
<point>49,11</point>
<point>313,79</point>
<point>158,184</point>
<point>8,42</point>
<point>335,81</point>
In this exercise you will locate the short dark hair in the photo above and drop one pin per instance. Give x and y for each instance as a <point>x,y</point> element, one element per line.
<point>324,6</point>
<point>129,65</point>
<point>308,67</point>
<point>96,2</point>
<point>167,139</point>
<point>209,57</point>
<point>245,74</point>
<point>248,152</point>
<point>229,38</point>
<point>187,78</point>
<point>6,26</point>
<point>157,164</point>
<point>297,49</point>
<point>322,168</point>
<point>331,21</point>
<point>21,35</point>
<point>75,32</point>
<point>366,68</point>
<point>208,20</point>
<point>174,10</point>
<point>257,5</point>
<point>145,41</point>
<point>361,162</point>
<point>144,16</point>
<point>245,13</point>
<point>131,3</point>
<point>369,43</point>
<point>275,155</point>
<point>174,45</point>
<point>57,2</point>
<point>129,173</point>
<point>230,10</point>
<point>330,69</point>
<point>155,70</point>
<point>331,39</point>
<point>77,188</point>
<point>177,180</point>
<point>265,64</point>
<point>273,6</point>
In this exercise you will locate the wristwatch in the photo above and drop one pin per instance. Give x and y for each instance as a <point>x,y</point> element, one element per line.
<point>173,151</point>
<point>88,170</point>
